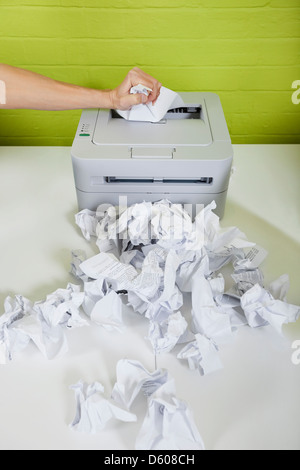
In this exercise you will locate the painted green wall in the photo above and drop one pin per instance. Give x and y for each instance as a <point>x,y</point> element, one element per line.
<point>247,51</point>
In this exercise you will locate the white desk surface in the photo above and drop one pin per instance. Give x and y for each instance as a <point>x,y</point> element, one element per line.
<point>252,404</point>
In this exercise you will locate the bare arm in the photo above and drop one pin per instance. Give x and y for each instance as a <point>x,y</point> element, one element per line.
<point>22,89</point>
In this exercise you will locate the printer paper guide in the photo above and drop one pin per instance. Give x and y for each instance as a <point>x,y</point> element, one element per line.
<point>167,100</point>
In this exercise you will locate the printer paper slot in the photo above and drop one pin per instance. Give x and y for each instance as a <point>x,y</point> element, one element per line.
<point>135,180</point>
<point>182,112</point>
<point>204,180</point>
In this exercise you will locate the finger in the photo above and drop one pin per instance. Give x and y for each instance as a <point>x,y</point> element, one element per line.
<point>140,98</point>
<point>132,100</point>
<point>138,76</point>
<point>154,95</point>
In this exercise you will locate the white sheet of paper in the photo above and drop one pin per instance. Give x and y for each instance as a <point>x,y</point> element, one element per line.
<point>93,411</point>
<point>93,292</point>
<point>202,355</point>
<point>280,287</point>
<point>245,279</point>
<point>44,323</point>
<point>164,335</point>
<point>107,312</point>
<point>167,99</point>
<point>256,255</point>
<point>87,222</point>
<point>107,266</point>
<point>209,319</point>
<point>169,424</point>
<point>14,309</point>
<point>140,89</point>
<point>78,257</point>
<point>261,308</point>
<point>133,378</point>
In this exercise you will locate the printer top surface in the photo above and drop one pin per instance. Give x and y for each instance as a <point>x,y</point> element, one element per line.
<point>196,131</point>
<point>188,125</point>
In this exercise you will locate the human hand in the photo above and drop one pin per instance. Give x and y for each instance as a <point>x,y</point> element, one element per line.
<point>122,99</point>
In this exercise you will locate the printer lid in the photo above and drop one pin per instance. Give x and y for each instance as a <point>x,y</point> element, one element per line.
<point>185,126</point>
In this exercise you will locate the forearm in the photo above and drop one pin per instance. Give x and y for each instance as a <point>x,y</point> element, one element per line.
<point>29,90</point>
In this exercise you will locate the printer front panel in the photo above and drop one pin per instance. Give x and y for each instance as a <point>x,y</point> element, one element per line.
<point>194,176</point>
<point>93,200</point>
<point>96,183</point>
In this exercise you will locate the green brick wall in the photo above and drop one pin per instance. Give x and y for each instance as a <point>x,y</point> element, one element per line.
<point>247,51</point>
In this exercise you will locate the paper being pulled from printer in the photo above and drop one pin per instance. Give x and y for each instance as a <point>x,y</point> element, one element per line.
<point>167,100</point>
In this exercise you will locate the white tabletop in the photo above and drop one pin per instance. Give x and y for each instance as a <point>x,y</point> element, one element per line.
<point>252,404</point>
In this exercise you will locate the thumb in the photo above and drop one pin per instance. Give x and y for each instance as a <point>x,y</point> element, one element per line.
<point>141,98</point>
<point>135,99</point>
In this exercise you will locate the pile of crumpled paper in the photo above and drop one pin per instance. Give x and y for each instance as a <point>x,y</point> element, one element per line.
<point>151,256</point>
<point>155,253</point>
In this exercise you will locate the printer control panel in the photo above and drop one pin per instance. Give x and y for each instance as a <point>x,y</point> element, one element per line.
<point>85,130</point>
<point>86,125</point>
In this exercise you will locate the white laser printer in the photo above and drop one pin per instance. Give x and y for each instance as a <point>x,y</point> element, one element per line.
<point>185,158</point>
